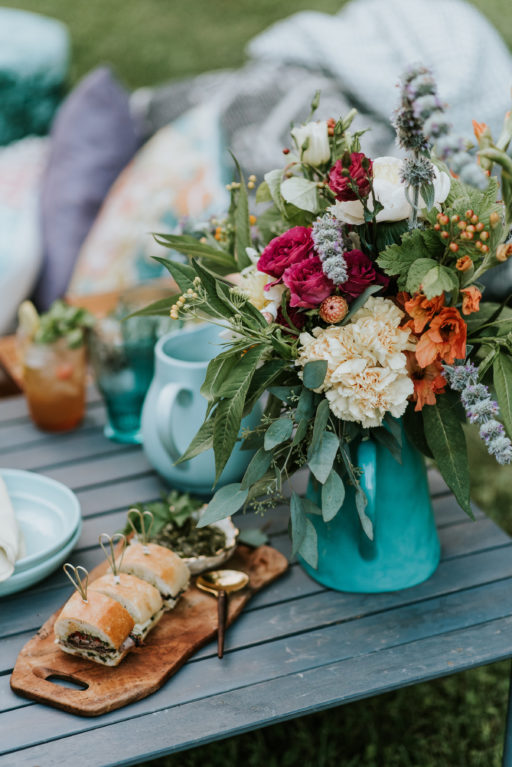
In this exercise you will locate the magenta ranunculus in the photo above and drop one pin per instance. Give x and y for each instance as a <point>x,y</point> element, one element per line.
<point>308,284</point>
<point>361,273</point>
<point>289,248</point>
<point>339,182</point>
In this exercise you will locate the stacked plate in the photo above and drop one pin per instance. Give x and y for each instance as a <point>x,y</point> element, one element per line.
<point>48,515</point>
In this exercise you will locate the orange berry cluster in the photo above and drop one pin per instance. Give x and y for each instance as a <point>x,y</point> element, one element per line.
<point>465,229</point>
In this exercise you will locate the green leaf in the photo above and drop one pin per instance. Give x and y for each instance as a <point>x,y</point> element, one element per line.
<point>417,272</point>
<point>228,417</point>
<point>361,504</point>
<point>301,431</point>
<point>323,456</point>
<point>226,501</point>
<point>182,274</point>
<point>216,373</point>
<point>273,179</point>
<point>502,376</point>
<point>263,193</point>
<point>360,302</point>
<point>202,441</point>
<point>242,226</point>
<point>333,495</point>
<point>445,438</point>
<point>398,259</point>
<point>253,537</point>
<point>237,374</point>
<point>285,393</point>
<point>298,522</point>
<point>314,373</point>
<point>261,381</point>
<point>438,280</point>
<point>160,308</point>
<point>390,233</point>
<point>278,432</point>
<point>305,404</point>
<point>257,468</point>
<point>311,508</point>
<point>309,546</point>
<point>301,193</point>
<point>216,304</point>
<point>192,248</point>
<point>321,418</point>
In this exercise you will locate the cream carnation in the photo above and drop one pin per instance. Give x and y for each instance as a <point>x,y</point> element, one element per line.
<point>366,365</point>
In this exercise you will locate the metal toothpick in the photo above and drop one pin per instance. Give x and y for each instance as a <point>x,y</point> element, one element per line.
<point>110,552</point>
<point>146,520</point>
<point>79,582</point>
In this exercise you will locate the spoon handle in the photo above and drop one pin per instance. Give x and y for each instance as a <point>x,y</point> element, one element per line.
<point>221,622</point>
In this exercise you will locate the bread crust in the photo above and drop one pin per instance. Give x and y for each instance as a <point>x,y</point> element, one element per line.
<point>141,599</point>
<point>108,616</point>
<point>167,566</point>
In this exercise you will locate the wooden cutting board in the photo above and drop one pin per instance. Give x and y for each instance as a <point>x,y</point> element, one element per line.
<point>181,632</point>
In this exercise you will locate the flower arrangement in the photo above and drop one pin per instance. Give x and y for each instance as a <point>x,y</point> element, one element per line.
<point>353,300</point>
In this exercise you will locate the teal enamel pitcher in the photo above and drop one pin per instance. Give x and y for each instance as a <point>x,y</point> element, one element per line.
<point>405,549</point>
<point>174,409</point>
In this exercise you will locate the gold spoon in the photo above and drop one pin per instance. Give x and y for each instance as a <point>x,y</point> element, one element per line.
<point>220,583</point>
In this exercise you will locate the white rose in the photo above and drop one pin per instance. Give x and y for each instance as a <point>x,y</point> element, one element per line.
<point>318,150</point>
<point>390,192</point>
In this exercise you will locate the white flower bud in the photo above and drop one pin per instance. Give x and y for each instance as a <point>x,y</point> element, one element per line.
<point>316,138</point>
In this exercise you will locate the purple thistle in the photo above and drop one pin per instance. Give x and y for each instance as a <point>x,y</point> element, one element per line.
<point>480,408</point>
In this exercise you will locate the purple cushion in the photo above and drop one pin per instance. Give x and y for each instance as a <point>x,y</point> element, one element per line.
<point>93,137</point>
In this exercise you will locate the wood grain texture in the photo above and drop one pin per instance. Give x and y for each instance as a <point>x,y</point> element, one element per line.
<point>178,635</point>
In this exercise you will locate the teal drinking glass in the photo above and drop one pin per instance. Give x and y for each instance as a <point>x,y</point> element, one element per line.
<point>122,357</point>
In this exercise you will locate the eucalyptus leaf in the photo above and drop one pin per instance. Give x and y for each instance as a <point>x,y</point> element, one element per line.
<point>322,459</point>
<point>321,418</point>
<point>314,373</point>
<point>361,504</point>
<point>305,404</point>
<point>333,495</point>
<point>257,468</point>
<point>253,537</point>
<point>226,501</point>
<point>309,547</point>
<point>279,431</point>
<point>298,522</point>
<point>311,508</point>
<point>301,431</point>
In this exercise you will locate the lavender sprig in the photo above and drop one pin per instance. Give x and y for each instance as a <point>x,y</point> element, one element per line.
<point>481,409</point>
<point>329,243</point>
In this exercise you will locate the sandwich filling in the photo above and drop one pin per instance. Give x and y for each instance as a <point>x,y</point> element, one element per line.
<point>141,630</point>
<point>94,646</point>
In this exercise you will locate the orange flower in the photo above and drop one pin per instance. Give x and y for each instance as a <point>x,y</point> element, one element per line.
<point>504,251</point>
<point>444,340</point>
<point>421,310</point>
<point>479,129</point>
<point>464,263</point>
<point>470,299</point>
<point>427,381</point>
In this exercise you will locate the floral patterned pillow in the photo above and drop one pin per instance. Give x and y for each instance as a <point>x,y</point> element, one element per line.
<point>177,174</point>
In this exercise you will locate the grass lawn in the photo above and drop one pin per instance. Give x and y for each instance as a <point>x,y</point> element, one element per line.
<point>455,722</point>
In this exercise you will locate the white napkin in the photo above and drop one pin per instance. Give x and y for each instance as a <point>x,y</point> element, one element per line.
<point>11,542</point>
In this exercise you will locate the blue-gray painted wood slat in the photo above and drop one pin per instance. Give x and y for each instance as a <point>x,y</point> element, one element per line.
<point>40,602</point>
<point>299,653</point>
<point>60,453</point>
<point>272,701</point>
<point>20,435</point>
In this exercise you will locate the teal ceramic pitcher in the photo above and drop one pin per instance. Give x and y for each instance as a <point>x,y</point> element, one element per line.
<point>405,549</point>
<point>174,409</point>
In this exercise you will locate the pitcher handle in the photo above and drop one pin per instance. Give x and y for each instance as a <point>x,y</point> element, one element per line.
<point>165,405</point>
<point>367,461</point>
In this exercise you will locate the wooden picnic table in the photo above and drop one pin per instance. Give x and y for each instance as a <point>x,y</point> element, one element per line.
<point>298,647</point>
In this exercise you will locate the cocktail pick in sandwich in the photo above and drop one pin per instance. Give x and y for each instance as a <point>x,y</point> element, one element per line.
<point>108,543</point>
<point>145,523</point>
<point>80,582</point>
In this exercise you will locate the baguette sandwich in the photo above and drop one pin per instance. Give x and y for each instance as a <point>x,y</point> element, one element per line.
<point>141,599</point>
<point>160,567</point>
<point>97,629</point>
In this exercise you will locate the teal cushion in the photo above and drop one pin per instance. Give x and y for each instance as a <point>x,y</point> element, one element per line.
<point>34,60</point>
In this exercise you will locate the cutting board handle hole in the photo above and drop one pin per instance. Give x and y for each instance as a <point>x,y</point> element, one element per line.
<point>63,680</point>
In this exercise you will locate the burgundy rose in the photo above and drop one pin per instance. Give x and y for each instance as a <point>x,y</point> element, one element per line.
<point>289,248</point>
<point>307,282</point>
<point>341,183</point>
<point>361,273</point>
<point>297,318</point>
